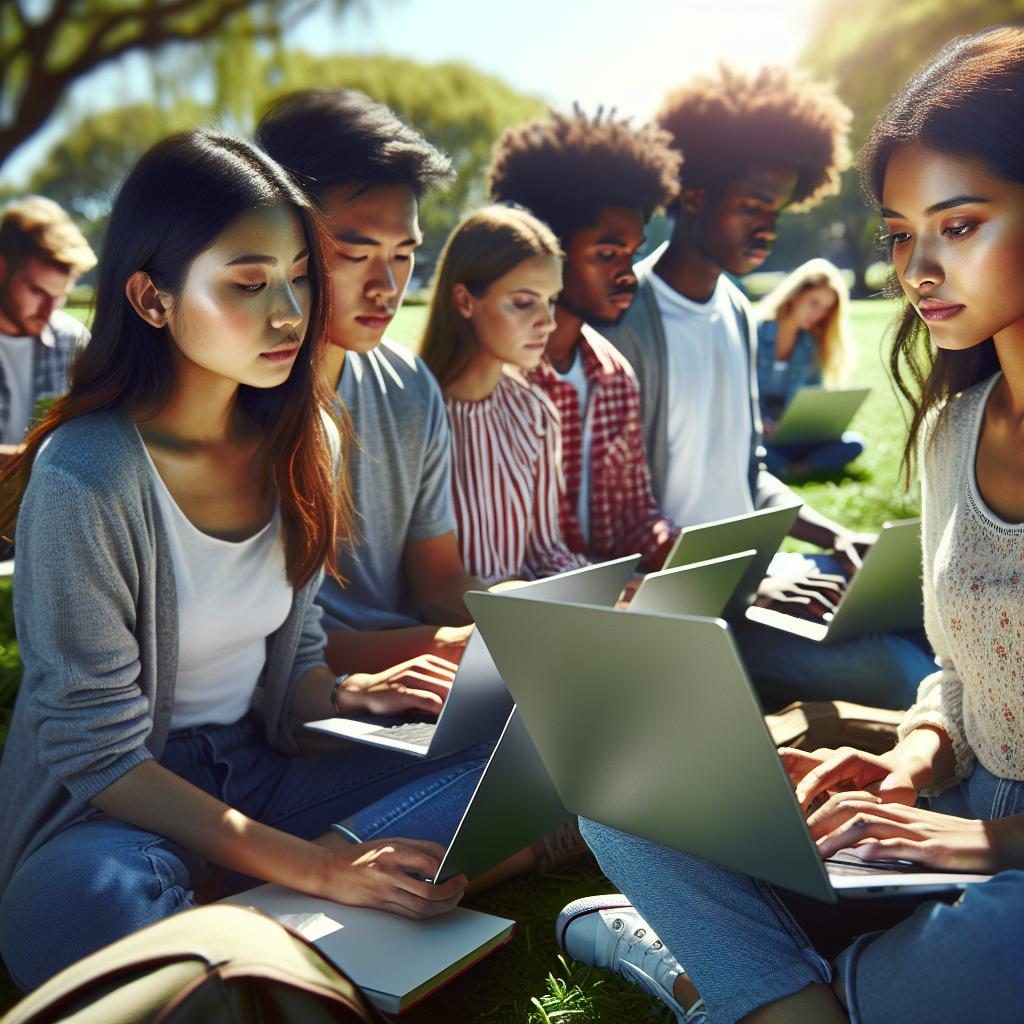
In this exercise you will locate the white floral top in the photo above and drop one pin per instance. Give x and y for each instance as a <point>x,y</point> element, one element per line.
<point>974,602</point>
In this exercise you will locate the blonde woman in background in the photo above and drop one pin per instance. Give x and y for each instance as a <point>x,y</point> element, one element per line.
<point>804,340</point>
<point>490,316</point>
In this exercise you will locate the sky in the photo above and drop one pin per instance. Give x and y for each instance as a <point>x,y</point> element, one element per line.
<point>610,52</point>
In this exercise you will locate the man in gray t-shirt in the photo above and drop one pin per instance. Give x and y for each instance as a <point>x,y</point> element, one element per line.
<point>404,576</point>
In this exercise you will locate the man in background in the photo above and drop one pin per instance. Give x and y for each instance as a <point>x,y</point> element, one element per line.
<point>42,255</point>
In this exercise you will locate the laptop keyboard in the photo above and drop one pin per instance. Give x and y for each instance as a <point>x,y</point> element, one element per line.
<point>846,863</point>
<point>417,733</point>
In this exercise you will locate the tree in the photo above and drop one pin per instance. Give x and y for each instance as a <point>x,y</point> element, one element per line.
<point>460,110</point>
<point>83,170</point>
<point>869,50</point>
<point>42,55</point>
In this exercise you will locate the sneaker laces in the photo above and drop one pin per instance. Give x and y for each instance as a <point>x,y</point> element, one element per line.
<point>643,960</point>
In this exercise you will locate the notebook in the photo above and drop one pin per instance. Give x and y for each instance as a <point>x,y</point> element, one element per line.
<point>395,961</point>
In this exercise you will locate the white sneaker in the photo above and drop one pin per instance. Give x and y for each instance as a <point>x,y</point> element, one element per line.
<point>607,932</point>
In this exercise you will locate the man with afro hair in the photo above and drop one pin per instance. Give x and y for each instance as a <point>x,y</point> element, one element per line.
<point>753,145</point>
<point>596,182</point>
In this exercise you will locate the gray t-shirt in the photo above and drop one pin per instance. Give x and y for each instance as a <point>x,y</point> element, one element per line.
<point>401,485</point>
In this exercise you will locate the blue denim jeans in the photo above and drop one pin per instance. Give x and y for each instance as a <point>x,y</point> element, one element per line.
<point>102,879</point>
<point>882,670</point>
<point>743,948</point>
<point>823,457</point>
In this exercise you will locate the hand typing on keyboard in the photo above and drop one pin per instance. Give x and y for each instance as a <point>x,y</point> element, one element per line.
<point>420,684</point>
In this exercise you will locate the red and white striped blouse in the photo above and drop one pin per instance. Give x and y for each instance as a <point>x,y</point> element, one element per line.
<point>507,484</point>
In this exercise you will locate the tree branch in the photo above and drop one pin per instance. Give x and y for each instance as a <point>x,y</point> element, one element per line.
<point>157,26</point>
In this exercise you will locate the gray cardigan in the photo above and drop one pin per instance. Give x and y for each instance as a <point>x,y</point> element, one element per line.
<point>95,610</point>
<point>640,337</point>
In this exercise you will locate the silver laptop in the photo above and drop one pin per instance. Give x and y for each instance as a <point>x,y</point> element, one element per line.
<point>884,594</point>
<point>762,530</point>
<point>633,716</point>
<point>818,414</point>
<point>478,704</point>
<point>703,588</point>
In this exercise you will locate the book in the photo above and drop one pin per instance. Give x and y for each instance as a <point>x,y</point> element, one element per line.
<point>396,962</point>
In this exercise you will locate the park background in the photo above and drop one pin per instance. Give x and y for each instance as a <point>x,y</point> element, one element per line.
<point>87,85</point>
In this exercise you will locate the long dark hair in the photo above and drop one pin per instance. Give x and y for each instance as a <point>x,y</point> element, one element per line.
<point>172,206</point>
<point>969,100</point>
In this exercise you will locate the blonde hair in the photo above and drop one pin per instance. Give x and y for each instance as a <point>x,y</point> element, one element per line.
<point>485,246</point>
<point>36,227</point>
<point>833,335</point>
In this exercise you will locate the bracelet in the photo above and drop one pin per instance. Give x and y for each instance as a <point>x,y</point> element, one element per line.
<point>339,682</point>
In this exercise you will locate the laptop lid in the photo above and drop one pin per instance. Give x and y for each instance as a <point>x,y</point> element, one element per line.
<point>514,803</point>
<point>762,530</point>
<point>818,414</point>
<point>703,588</point>
<point>885,594</point>
<point>648,723</point>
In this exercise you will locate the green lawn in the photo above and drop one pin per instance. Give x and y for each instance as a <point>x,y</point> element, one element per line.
<point>525,982</point>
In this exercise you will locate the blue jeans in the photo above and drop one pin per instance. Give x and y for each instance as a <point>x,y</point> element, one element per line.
<point>102,879</point>
<point>743,948</point>
<point>882,670</point>
<point>822,457</point>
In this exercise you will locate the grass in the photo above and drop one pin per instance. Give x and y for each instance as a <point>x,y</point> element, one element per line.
<point>527,982</point>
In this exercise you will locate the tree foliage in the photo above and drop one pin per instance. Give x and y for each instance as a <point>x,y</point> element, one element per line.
<point>46,47</point>
<point>460,110</point>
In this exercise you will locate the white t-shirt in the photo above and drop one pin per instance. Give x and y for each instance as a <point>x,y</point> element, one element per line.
<point>16,362</point>
<point>576,376</point>
<point>708,408</point>
<point>231,596</point>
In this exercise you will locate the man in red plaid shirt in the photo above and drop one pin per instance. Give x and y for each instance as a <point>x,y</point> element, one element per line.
<point>596,182</point>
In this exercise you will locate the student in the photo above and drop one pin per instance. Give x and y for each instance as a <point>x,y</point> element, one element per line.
<point>945,163</point>
<point>166,615</point>
<point>596,183</point>
<point>367,172</point>
<point>490,314</point>
<point>42,254</point>
<point>753,145</point>
<point>804,340</point>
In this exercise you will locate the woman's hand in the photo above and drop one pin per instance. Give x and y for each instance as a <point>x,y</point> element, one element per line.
<point>889,831</point>
<point>816,775</point>
<point>388,874</point>
<point>420,684</point>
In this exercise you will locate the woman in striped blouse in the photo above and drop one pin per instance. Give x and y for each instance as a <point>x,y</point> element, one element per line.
<point>490,317</point>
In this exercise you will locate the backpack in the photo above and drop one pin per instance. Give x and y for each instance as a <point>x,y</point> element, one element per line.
<point>210,965</point>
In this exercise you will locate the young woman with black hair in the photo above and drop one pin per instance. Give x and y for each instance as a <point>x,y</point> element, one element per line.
<point>945,163</point>
<point>174,513</point>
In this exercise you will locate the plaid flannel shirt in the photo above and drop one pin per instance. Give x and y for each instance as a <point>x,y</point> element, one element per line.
<point>53,351</point>
<point>624,517</point>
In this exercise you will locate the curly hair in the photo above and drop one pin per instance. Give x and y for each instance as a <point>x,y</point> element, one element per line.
<point>776,115</point>
<point>565,168</point>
